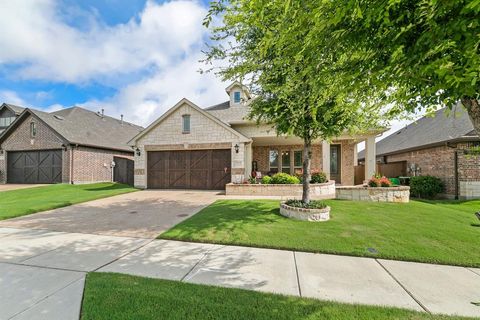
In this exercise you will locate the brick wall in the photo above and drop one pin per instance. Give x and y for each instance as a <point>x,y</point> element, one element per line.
<point>261,155</point>
<point>93,165</point>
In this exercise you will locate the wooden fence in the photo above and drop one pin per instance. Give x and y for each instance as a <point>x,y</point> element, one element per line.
<point>389,170</point>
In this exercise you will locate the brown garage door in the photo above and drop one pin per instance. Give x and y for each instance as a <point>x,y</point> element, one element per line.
<point>196,169</point>
<point>43,166</point>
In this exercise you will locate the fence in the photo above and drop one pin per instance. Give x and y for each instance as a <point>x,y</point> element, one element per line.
<point>389,170</point>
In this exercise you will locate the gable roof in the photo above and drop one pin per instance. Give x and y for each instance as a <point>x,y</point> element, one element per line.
<point>16,109</point>
<point>428,131</point>
<point>195,107</point>
<point>83,127</point>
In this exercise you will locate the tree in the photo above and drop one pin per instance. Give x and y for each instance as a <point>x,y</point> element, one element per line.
<point>419,53</point>
<point>263,42</point>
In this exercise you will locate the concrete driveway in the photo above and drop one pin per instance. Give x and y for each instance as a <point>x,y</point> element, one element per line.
<point>8,187</point>
<point>142,214</point>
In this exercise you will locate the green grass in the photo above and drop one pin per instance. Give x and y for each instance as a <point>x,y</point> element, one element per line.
<point>435,232</point>
<point>16,203</point>
<point>113,297</point>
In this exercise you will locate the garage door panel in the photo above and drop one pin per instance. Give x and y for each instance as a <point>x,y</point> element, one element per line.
<point>192,169</point>
<point>43,166</point>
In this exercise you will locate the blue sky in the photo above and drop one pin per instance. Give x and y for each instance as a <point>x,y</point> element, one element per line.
<point>132,57</point>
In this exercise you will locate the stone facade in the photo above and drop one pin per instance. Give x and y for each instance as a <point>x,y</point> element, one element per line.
<point>314,215</point>
<point>205,133</point>
<point>289,191</point>
<point>359,193</point>
<point>79,164</point>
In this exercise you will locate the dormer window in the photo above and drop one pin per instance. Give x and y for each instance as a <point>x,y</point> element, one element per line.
<point>33,129</point>
<point>236,97</point>
<point>186,123</point>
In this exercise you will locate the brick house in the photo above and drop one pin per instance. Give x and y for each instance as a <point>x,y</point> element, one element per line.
<point>437,146</point>
<point>191,147</point>
<point>8,114</point>
<point>72,145</point>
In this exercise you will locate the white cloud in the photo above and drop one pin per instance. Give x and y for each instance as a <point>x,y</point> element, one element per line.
<point>11,97</point>
<point>35,34</point>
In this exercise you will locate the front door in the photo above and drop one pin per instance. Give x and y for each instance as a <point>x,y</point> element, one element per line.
<point>335,163</point>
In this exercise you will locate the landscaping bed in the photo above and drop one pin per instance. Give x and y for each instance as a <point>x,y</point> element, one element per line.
<point>121,297</point>
<point>16,203</point>
<point>318,190</point>
<point>443,232</point>
<point>375,194</point>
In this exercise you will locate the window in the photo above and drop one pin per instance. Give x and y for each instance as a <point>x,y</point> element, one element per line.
<point>334,158</point>
<point>286,161</point>
<point>298,161</point>
<point>186,123</point>
<point>273,160</point>
<point>33,129</point>
<point>6,121</point>
<point>236,97</point>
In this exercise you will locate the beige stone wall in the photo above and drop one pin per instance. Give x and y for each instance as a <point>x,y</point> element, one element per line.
<point>203,131</point>
<point>393,194</point>
<point>21,140</point>
<point>289,191</point>
<point>94,165</point>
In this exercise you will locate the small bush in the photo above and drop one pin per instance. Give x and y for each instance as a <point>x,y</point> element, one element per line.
<point>313,204</point>
<point>384,182</point>
<point>318,177</point>
<point>266,180</point>
<point>284,178</point>
<point>252,180</point>
<point>376,182</point>
<point>426,186</point>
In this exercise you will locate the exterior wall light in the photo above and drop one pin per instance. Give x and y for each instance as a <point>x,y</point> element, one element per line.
<point>237,148</point>
<point>137,151</point>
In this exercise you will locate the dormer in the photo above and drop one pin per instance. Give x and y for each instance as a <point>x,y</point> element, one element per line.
<point>238,94</point>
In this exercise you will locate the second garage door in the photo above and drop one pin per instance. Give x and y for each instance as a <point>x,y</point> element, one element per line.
<point>196,169</point>
<point>43,166</point>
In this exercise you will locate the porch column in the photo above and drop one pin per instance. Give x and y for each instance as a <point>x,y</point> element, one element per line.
<point>370,157</point>
<point>248,159</point>
<point>238,162</point>
<point>326,158</point>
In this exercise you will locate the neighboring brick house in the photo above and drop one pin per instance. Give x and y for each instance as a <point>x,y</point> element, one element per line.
<point>439,146</point>
<point>72,145</point>
<point>190,147</point>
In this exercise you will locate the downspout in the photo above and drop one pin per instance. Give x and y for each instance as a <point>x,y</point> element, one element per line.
<point>455,163</point>
<point>71,164</point>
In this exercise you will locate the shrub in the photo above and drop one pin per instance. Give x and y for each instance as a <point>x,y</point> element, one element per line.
<point>284,178</point>
<point>374,182</point>
<point>426,186</point>
<point>314,204</point>
<point>266,180</point>
<point>318,177</point>
<point>384,182</point>
<point>252,180</point>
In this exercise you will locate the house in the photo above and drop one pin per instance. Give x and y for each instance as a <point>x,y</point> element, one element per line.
<point>437,145</point>
<point>8,113</point>
<point>72,145</point>
<point>191,147</point>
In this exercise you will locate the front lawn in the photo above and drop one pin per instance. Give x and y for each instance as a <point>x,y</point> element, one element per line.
<point>435,231</point>
<point>115,297</point>
<point>16,203</point>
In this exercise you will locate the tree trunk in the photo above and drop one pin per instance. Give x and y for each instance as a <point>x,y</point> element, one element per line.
<point>307,175</point>
<point>473,108</point>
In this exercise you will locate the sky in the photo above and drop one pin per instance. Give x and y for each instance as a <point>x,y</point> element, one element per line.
<point>131,57</point>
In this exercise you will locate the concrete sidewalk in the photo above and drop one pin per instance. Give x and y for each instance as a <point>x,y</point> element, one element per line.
<point>42,273</point>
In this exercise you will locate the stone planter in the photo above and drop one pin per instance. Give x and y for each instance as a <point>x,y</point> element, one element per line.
<point>374,194</point>
<point>315,215</point>
<point>290,191</point>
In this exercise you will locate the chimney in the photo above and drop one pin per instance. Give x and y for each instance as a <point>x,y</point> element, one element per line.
<point>103,112</point>
<point>121,119</point>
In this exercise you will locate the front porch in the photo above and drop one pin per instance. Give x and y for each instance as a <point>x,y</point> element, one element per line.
<point>269,155</point>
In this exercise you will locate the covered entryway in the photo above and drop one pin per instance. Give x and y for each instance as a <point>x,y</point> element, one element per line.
<point>189,169</point>
<point>41,166</point>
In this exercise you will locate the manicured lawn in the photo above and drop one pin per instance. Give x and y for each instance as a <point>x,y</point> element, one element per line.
<point>114,297</point>
<point>435,232</point>
<point>16,203</point>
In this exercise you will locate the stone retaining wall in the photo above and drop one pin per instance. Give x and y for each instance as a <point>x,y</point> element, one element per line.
<point>318,190</point>
<point>305,214</point>
<point>360,193</point>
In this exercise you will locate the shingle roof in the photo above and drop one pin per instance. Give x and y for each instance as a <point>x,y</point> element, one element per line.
<point>221,106</point>
<point>84,127</point>
<point>429,130</point>
<point>14,108</point>
<point>228,114</point>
